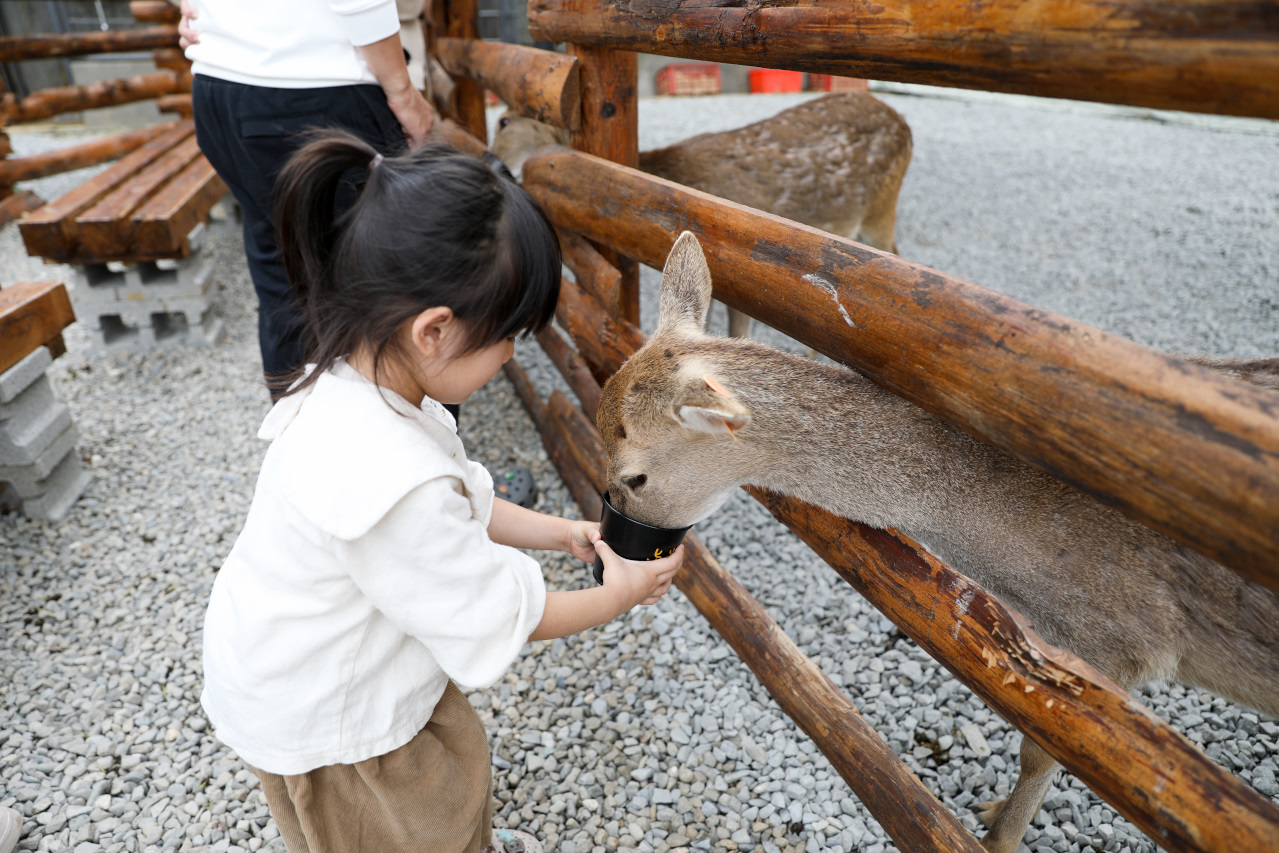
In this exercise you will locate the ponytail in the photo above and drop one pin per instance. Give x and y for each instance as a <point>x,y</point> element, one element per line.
<point>432,227</point>
<point>306,208</point>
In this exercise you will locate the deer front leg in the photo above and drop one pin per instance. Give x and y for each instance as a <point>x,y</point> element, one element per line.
<point>1009,818</point>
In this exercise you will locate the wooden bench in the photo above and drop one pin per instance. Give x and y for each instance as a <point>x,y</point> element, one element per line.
<point>142,208</point>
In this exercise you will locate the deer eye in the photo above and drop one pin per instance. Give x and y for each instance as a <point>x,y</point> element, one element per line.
<point>635,482</point>
<point>503,121</point>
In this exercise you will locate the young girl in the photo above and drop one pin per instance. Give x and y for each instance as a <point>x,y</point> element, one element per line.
<point>375,568</point>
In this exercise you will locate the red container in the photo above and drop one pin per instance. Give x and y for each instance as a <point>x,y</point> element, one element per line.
<point>689,78</point>
<point>829,83</point>
<point>769,80</point>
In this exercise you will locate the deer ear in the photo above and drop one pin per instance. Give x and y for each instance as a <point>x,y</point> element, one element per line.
<point>686,287</point>
<point>706,407</point>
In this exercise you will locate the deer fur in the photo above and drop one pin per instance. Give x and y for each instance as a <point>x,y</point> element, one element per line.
<point>690,417</point>
<point>834,162</point>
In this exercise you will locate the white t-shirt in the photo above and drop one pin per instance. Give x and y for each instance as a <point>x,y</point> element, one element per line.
<point>363,580</point>
<point>289,44</point>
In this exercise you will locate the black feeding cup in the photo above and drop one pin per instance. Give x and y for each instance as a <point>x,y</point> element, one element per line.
<point>633,539</point>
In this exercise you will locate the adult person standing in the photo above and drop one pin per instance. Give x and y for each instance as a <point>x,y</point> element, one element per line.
<point>265,72</point>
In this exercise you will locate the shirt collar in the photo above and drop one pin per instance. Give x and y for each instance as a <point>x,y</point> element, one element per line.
<point>286,410</point>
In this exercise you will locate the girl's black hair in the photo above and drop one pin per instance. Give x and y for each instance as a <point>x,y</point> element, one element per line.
<point>431,227</point>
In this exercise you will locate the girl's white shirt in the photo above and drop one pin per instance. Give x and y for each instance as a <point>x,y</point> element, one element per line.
<point>289,44</point>
<point>363,580</point>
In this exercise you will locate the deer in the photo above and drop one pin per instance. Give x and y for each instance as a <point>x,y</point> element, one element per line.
<point>690,417</point>
<point>834,163</point>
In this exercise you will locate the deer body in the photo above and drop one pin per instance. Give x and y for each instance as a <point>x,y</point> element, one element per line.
<point>1133,603</point>
<point>834,163</point>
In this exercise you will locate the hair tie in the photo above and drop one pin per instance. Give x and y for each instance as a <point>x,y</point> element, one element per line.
<point>373,164</point>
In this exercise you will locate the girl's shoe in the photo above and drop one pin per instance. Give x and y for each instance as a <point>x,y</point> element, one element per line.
<point>11,829</point>
<point>513,841</point>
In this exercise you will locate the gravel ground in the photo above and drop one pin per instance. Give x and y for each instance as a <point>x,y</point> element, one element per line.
<point>648,733</point>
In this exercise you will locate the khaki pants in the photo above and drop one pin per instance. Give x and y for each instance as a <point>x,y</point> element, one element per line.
<point>432,795</point>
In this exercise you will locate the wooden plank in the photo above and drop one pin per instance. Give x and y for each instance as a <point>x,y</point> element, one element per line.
<point>1188,451</point>
<point>108,226</point>
<point>48,103</point>
<point>610,129</point>
<point>540,84</point>
<point>164,221</point>
<point>1135,760</point>
<point>18,204</point>
<point>78,156</point>
<point>47,46</point>
<point>51,231</point>
<point>32,314</point>
<point>154,12</point>
<point>1213,56</point>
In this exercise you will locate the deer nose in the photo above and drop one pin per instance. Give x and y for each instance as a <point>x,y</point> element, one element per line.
<point>635,482</point>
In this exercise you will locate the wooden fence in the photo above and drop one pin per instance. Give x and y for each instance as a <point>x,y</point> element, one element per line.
<point>169,86</point>
<point>1191,453</point>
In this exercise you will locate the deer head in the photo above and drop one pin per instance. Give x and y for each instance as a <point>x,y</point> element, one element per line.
<point>678,440</point>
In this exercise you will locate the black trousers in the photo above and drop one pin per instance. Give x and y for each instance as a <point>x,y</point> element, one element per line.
<point>248,133</point>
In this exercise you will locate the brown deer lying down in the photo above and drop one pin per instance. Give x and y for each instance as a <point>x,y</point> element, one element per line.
<point>834,162</point>
<point>691,417</point>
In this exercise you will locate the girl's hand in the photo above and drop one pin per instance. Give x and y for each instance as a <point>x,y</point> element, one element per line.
<point>638,582</point>
<point>581,540</point>
<point>187,35</point>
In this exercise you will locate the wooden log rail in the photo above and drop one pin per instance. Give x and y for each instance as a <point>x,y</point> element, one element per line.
<point>1212,56</point>
<point>542,84</point>
<point>154,12</point>
<point>1134,760</point>
<point>1190,452</point>
<point>78,156</point>
<point>48,46</point>
<point>907,810</point>
<point>106,93</point>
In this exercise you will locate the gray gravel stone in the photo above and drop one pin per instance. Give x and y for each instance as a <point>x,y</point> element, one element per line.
<point>647,734</point>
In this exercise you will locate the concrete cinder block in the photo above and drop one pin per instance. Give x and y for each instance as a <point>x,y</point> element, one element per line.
<point>27,478</point>
<point>57,492</point>
<point>18,378</point>
<point>96,285</point>
<point>32,426</point>
<point>116,331</point>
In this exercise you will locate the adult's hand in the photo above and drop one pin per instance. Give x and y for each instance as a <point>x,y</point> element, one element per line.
<point>415,114</point>
<point>385,59</point>
<point>187,35</point>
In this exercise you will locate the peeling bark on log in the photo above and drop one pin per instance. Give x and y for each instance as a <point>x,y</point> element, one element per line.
<point>78,156</point>
<point>540,84</point>
<point>106,93</point>
<point>18,48</point>
<point>1192,453</point>
<point>1213,56</point>
<point>603,342</point>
